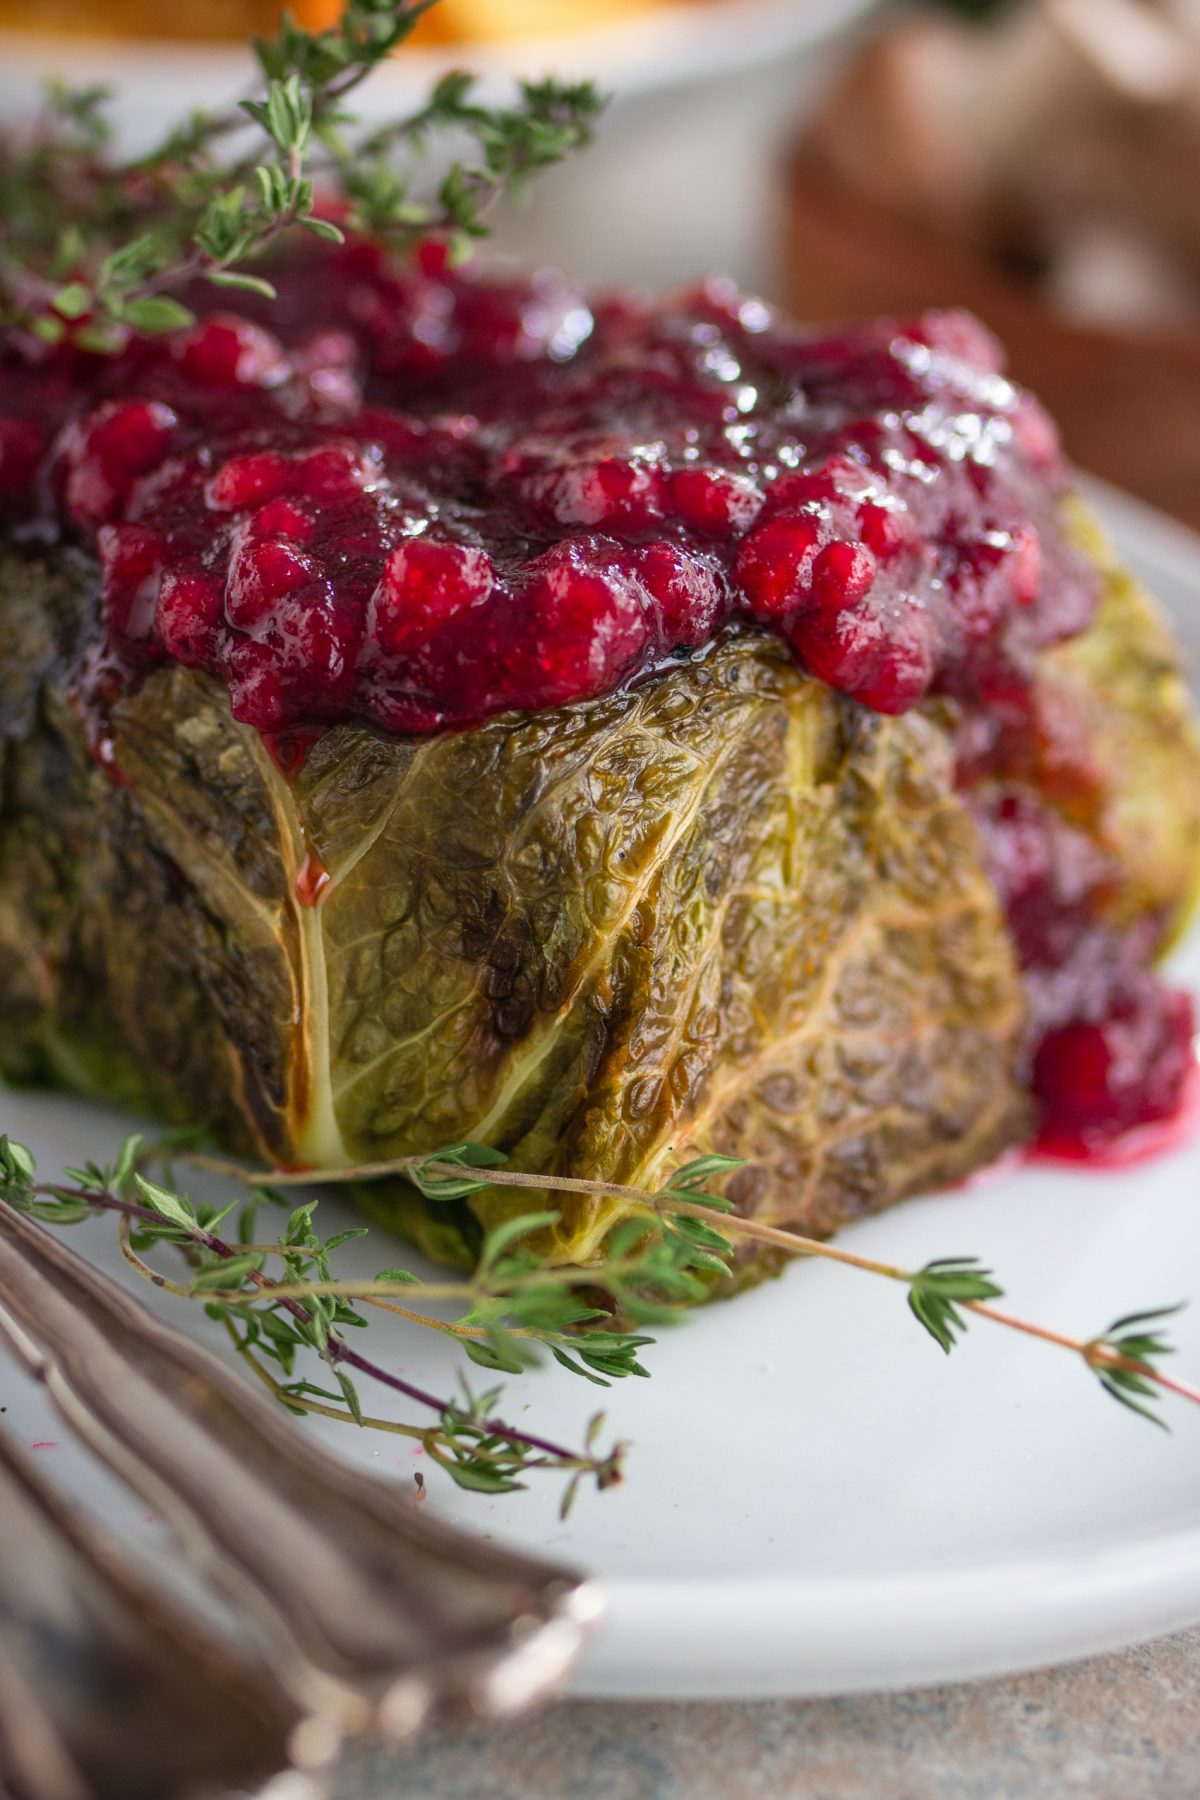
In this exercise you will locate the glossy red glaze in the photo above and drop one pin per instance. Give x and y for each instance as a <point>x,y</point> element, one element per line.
<point>420,497</point>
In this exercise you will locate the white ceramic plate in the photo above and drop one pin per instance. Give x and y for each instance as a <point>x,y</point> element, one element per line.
<point>666,48</point>
<point>817,1500</point>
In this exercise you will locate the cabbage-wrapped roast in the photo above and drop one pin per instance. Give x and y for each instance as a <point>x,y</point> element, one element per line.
<point>604,733</point>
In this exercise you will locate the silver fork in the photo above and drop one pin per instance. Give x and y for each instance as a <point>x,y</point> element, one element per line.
<point>370,1612</point>
<point>110,1691</point>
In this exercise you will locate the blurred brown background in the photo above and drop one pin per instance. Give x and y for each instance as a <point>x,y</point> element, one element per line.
<point>1042,168</point>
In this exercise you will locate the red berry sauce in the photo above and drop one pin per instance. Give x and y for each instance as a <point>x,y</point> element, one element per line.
<point>1112,1046</point>
<point>421,498</point>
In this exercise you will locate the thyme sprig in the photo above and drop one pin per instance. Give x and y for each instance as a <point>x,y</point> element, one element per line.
<point>513,1308</point>
<point>91,247</point>
<point>477,1448</point>
<point>278,1297</point>
<point>1123,1357</point>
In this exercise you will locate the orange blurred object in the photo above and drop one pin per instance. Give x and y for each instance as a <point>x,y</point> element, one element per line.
<point>454,21</point>
<point>450,22</point>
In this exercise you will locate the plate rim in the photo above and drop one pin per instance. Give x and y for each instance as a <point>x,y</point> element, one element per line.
<point>803,1639</point>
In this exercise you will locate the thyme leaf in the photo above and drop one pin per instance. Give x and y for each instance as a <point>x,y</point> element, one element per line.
<point>936,1293</point>
<point>1124,1359</point>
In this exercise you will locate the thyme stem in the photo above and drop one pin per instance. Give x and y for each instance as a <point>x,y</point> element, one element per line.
<point>306,1401</point>
<point>791,1241</point>
<point>660,1257</point>
<point>1094,1351</point>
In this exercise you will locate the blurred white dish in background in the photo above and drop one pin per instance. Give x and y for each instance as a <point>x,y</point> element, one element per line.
<point>679,181</point>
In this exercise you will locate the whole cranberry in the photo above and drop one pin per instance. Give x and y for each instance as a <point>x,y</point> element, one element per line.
<point>838,479</point>
<point>607,493</point>
<point>330,474</point>
<point>890,533</point>
<point>775,564</point>
<point>882,656</point>
<point>958,334</point>
<point>268,578</point>
<point>283,518</point>
<point>108,452</point>
<point>689,597</point>
<point>328,364</point>
<point>131,565</point>
<point>190,609</point>
<point>426,583</point>
<point>225,351</point>
<point>587,624</point>
<point>258,692</point>
<point>1098,1078</point>
<point>715,502</point>
<point>245,481</point>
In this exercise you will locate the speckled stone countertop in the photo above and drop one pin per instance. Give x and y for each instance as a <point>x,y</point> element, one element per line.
<point>1124,1727</point>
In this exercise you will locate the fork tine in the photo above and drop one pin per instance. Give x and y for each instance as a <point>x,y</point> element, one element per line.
<point>373,1611</point>
<point>108,1689</point>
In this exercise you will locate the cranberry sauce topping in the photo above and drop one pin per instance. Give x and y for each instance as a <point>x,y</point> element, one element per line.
<point>1113,1047</point>
<point>421,498</point>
